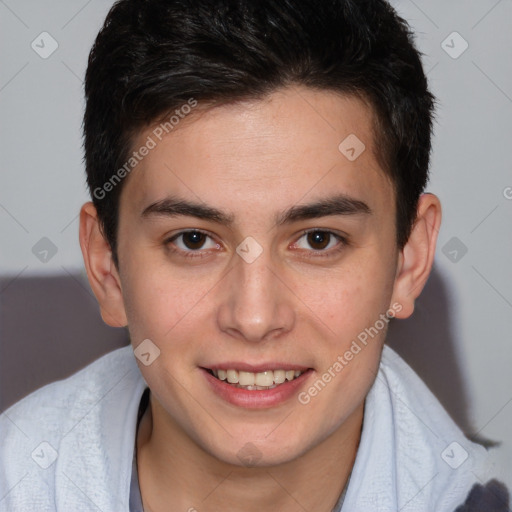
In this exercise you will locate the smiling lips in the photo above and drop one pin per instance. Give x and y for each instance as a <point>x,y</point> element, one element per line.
<point>260,386</point>
<point>268,379</point>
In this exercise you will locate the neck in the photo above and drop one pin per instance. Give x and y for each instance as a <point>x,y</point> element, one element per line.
<point>177,474</point>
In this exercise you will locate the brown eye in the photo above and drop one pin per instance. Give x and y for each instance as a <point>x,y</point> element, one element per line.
<point>193,239</point>
<point>191,243</point>
<point>319,240</point>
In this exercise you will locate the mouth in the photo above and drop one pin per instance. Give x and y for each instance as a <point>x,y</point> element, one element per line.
<point>259,389</point>
<point>251,381</point>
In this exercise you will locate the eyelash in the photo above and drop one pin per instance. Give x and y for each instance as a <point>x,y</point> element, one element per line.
<point>318,253</point>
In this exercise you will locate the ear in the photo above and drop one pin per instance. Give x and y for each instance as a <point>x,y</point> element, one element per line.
<point>101,270</point>
<point>416,258</point>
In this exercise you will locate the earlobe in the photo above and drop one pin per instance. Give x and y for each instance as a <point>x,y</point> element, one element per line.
<point>101,271</point>
<point>417,256</point>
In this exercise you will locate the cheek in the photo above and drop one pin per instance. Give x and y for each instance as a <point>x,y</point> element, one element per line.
<point>354,303</point>
<point>351,297</point>
<point>158,302</point>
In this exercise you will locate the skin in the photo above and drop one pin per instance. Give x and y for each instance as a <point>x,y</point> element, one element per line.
<point>300,301</point>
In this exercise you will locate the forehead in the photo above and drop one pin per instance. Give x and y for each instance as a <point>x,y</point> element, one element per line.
<point>294,143</point>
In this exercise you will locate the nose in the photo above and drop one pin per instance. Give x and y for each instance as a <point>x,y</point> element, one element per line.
<point>256,304</point>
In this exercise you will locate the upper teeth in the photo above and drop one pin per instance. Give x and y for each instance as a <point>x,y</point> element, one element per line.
<point>266,378</point>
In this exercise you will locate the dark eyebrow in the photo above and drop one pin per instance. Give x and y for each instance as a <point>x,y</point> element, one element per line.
<point>175,207</point>
<point>340,204</point>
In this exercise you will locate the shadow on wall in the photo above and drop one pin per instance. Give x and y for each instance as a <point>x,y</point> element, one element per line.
<point>427,343</point>
<point>51,327</point>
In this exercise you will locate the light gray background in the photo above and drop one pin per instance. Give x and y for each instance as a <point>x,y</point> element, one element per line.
<point>459,337</point>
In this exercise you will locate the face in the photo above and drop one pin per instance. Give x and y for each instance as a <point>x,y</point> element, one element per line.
<point>249,241</point>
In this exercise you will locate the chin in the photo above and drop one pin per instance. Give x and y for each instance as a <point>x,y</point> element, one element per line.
<point>257,451</point>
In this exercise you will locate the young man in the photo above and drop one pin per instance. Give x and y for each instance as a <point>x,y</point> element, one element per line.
<point>258,218</point>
